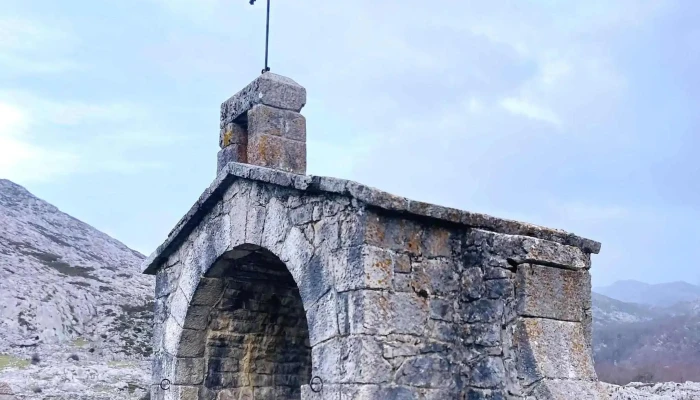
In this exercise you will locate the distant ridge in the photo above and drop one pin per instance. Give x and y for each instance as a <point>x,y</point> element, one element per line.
<point>660,294</point>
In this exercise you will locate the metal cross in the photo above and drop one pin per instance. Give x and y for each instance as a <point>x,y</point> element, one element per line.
<point>267,33</point>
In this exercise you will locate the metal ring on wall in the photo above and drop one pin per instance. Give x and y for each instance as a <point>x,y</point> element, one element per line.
<point>316,384</point>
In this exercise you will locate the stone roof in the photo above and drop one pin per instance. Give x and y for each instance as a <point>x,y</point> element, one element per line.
<point>370,196</point>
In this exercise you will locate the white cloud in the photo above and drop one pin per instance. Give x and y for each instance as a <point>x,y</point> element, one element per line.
<point>530,110</point>
<point>35,146</point>
<point>27,35</point>
<point>35,47</point>
<point>475,105</point>
<point>22,160</point>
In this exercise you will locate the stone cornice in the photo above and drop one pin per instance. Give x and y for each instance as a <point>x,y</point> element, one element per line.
<point>370,196</point>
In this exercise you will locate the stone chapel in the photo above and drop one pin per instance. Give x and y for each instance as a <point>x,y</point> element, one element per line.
<point>281,285</point>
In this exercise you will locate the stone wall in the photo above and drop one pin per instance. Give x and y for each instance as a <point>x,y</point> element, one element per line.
<point>402,300</point>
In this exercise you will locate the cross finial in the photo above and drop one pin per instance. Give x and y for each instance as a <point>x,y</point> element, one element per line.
<point>267,33</point>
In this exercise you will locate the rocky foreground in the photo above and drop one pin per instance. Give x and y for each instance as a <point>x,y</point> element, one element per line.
<point>655,391</point>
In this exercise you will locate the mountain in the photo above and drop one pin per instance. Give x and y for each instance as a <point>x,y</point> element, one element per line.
<point>607,311</point>
<point>75,311</point>
<point>642,343</point>
<point>661,294</point>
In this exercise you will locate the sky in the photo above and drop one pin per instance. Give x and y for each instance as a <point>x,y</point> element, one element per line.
<point>577,115</point>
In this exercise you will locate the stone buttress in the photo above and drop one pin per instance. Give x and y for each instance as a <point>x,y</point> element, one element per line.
<point>279,285</point>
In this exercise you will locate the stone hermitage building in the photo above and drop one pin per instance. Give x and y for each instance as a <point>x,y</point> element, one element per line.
<point>281,285</point>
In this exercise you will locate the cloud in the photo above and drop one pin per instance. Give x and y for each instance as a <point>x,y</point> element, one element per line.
<point>22,160</point>
<point>530,110</point>
<point>35,47</point>
<point>43,139</point>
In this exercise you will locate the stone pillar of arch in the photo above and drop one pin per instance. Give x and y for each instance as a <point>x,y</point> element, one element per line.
<point>279,285</point>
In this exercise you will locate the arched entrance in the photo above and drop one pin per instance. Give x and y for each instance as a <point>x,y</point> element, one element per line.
<point>255,329</point>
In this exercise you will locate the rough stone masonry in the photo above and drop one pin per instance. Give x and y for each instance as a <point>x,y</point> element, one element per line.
<point>280,285</point>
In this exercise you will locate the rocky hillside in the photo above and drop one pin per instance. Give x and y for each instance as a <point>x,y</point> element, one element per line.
<point>75,311</point>
<point>641,343</point>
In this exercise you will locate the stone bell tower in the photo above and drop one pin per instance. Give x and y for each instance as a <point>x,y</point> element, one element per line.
<point>261,125</point>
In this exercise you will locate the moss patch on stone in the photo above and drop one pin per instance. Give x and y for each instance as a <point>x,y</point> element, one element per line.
<point>121,364</point>
<point>7,361</point>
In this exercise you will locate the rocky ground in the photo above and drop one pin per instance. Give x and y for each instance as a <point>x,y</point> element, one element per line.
<point>66,372</point>
<point>73,297</point>
<point>656,391</point>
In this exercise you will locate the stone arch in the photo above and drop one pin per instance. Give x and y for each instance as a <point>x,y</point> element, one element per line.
<point>245,332</point>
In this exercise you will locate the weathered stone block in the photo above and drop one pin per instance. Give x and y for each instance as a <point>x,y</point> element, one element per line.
<point>487,372</point>
<point>402,282</point>
<point>435,276</point>
<point>409,313</point>
<point>382,313</point>
<point>269,89</point>
<point>322,319</point>
<point>166,281</point>
<point>189,371</point>
<point>555,253</point>
<point>362,361</point>
<point>178,392</point>
<point>552,349</point>
<point>208,292</point>
<point>329,392</point>
<point>398,234</point>
<point>550,292</point>
<point>499,288</point>
<point>272,121</point>
<point>426,371</point>
<point>231,153</point>
<point>438,242</point>
<point>402,263</point>
<point>401,346</point>
<point>192,343</point>
<point>441,309</point>
<point>277,152</point>
<point>472,284</point>
<point>162,367</point>
<point>482,334</point>
<point>483,310</point>
<point>243,393</point>
<point>369,312</point>
<point>483,394</point>
<point>197,317</point>
<point>178,307</point>
<point>233,133</point>
<point>366,267</point>
<point>171,335</point>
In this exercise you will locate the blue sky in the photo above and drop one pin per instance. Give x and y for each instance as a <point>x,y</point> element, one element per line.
<point>579,115</point>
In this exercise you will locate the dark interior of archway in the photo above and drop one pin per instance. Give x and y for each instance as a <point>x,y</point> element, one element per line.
<point>257,334</point>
